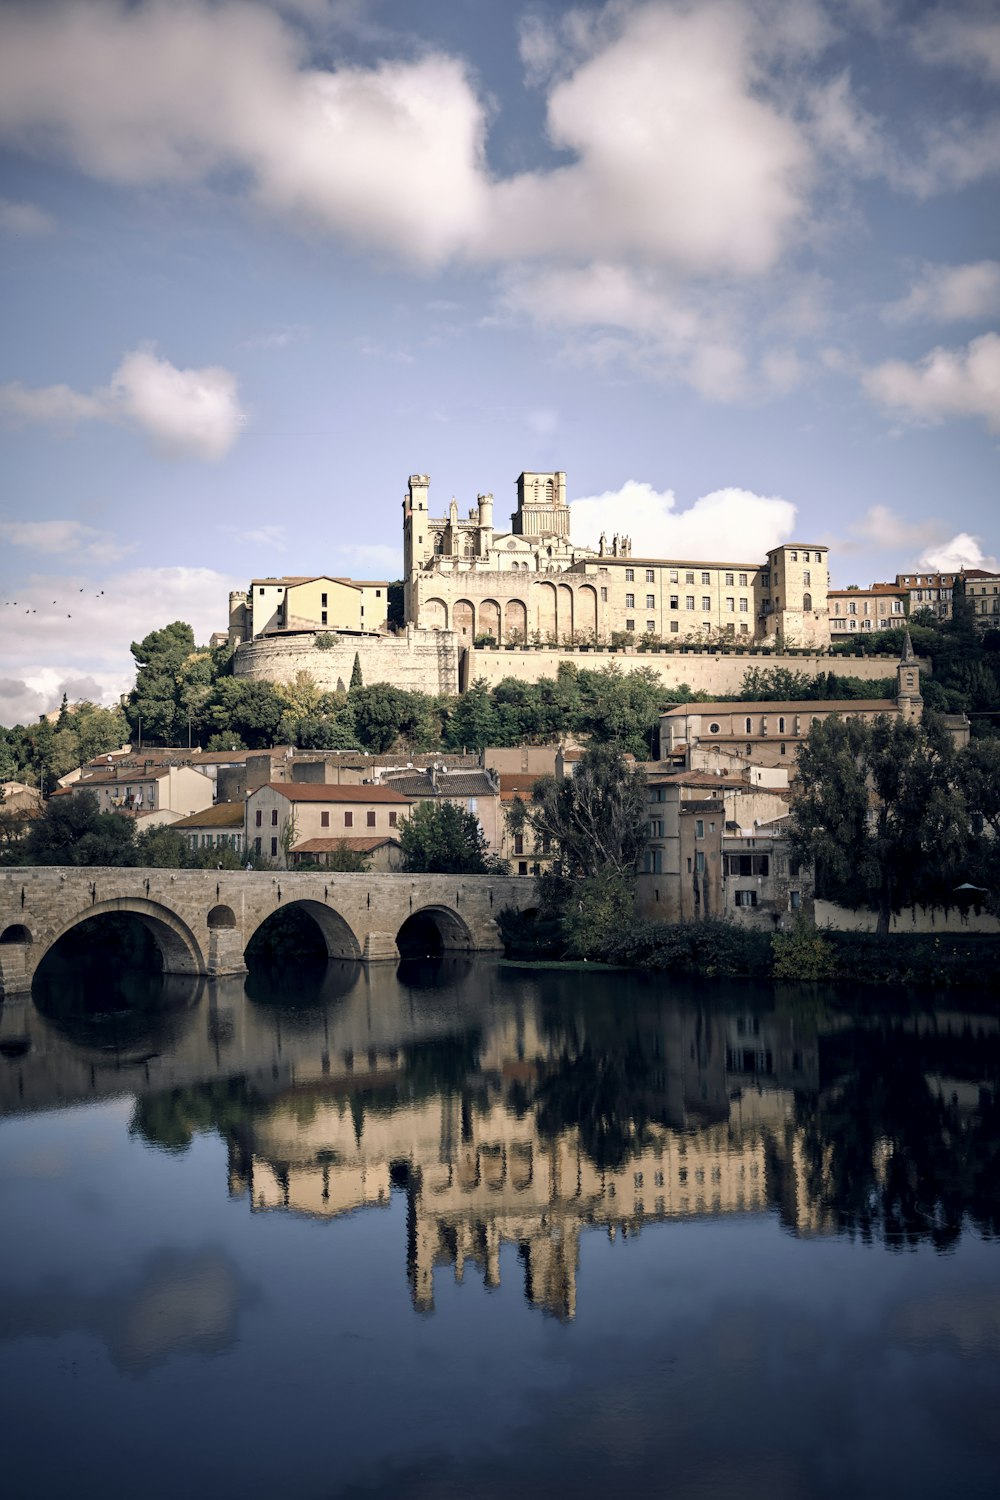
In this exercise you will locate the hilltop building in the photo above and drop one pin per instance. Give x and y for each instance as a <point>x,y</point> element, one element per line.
<point>533,584</point>
<point>291,605</point>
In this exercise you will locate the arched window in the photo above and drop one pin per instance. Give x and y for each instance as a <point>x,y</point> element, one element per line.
<point>781,727</point>
<point>749,726</point>
<point>807,601</point>
<point>549,493</point>
<point>438,543</point>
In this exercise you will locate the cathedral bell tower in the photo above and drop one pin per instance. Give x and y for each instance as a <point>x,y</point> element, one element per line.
<point>541,506</point>
<point>908,700</point>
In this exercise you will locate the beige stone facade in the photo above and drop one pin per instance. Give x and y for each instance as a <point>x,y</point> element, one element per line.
<point>282,816</point>
<point>310,604</point>
<point>883,606</point>
<point>532,583</point>
<point>715,847</point>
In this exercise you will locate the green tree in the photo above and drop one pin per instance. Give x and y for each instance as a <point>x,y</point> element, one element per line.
<point>441,838</point>
<point>357,680</point>
<point>72,831</point>
<point>252,710</point>
<point>879,814</point>
<point>472,723</point>
<point>593,820</point>
<point>161,849</point>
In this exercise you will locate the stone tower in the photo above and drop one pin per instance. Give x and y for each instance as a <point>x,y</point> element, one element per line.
<point>908,699</point>
<point>541,506</point>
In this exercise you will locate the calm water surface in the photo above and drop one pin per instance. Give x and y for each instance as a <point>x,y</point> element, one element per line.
<point>474,1231</point>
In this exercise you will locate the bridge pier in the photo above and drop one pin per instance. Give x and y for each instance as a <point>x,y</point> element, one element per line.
<point>380,948</point>
<point>15,971</point>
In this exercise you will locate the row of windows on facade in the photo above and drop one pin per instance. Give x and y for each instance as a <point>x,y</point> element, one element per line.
<point>689,603</point>
<point>215,840</point>
<point>324,818</point>
<point>675,627</point>
<point>673,575</point>
<point>851,606</point>
<point>851,623</point>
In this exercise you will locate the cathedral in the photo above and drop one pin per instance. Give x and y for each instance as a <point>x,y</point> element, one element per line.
<point>533,585</point>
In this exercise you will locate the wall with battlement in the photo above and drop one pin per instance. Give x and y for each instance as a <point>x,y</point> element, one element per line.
<point>703,672</point>
<point>432,661</point>
<point>419,660</point>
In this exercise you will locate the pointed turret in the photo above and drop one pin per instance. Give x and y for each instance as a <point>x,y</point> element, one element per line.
<point>908,698</point>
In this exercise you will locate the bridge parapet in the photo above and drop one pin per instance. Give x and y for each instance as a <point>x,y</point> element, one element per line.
<point>202,920</point>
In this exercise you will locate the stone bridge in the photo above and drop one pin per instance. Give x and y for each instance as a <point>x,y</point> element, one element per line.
<point>202,920</point>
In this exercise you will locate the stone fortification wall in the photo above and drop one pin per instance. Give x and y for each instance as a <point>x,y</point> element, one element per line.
<point>432,661</point>
<point>704,672</point>
<point>420,660</point>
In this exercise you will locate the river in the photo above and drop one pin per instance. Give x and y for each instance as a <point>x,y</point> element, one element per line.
<point>469,1230</point>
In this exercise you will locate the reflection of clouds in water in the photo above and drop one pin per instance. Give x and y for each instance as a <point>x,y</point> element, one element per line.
<point>967,1321</point>
<point>181,1302</point>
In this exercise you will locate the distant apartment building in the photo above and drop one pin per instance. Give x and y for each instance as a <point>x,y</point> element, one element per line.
<point>882,606</point>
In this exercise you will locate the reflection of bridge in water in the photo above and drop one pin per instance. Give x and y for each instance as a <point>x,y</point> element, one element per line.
<point>510,1110</point>
<point>202,921</point>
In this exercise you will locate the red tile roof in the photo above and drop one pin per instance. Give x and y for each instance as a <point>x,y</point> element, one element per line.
<point>298,791</point>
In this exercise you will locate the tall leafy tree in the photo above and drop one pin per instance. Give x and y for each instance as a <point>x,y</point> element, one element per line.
<point>880,813</point>
<point>441,838</point>
<point>72,831</point>
<point>594,820</point>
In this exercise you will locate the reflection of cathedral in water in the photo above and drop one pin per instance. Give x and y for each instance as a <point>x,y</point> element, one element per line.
<point>704,1124</point>
<point>518,1112</point>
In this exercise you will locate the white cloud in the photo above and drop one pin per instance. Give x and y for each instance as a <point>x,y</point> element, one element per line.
<point>886,530</point>
<point>87,633</point>
<point>26,220</point>
<point>702,170</point>
<point>185,413</point>
<point>53,537</point>
<point>962,551</point>
<point>969,39</point>
<point>945,383</point>
<point>674,332</point>
<point>730,523</point>
<point>943,157</point>
<point>949,294</point>
<point>699,171</point>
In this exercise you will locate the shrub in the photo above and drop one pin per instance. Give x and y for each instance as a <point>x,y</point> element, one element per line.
<point>802,954</point>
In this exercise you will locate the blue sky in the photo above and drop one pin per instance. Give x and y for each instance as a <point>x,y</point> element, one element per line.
<point>733,265</point>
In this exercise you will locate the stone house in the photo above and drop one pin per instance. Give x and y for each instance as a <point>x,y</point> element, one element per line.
<point>282,816</point>
<point>692,864</point>
<point>146,789</point>
<point>218,827</point>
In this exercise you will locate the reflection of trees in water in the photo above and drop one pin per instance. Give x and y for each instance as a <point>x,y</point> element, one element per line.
<point>890,1156</point>
<point>171,1118</point>
<point>597,1093</point>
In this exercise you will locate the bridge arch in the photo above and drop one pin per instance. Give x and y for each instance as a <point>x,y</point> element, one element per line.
<point>434,928</point>
<point>220,916</point>
<point>180,950</point>
<point>337,933</point>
